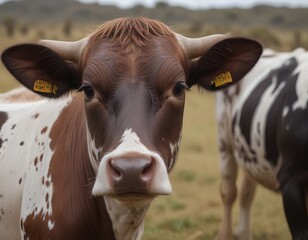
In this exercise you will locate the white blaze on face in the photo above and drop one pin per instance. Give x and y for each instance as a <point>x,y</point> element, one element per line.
<point>131,144</point>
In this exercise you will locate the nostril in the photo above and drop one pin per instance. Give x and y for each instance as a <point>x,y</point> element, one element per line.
<point>147,171</point>
<point>127,169</point>
<point>115,169</point>
<point>131,175</point>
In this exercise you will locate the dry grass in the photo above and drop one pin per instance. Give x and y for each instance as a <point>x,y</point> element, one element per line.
<point>194,210</point>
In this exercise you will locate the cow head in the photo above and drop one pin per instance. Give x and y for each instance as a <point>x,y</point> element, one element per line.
<point>133,73</point>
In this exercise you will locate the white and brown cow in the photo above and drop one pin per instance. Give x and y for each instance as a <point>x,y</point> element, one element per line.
<point>263,127</point>
<point>86,165</point>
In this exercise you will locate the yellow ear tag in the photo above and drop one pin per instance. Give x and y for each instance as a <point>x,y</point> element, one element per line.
<point>44,87</point>
<point>222,79</point>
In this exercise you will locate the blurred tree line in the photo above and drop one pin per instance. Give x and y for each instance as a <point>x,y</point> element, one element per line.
<point>278,28</point>
<point>11,26</point>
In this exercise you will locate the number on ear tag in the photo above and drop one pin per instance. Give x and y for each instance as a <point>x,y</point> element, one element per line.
<point>222,79</point>
<point>44,87</point>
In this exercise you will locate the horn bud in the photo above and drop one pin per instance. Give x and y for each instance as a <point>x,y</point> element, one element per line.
<point>71,51</point>
<point>195,47</point>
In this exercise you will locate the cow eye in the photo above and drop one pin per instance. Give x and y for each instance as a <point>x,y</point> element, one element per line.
<point>179,89</point>
<point>88,91</point>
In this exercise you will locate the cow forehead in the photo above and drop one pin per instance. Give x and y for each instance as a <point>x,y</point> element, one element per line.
<point>130,32</point>
<point>128,36</point>
<point>113,59</point>
<point>132,50</point>
<point>156,67</point>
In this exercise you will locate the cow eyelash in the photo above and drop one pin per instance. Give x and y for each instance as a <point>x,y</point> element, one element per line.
<point>179,89</point>
<point>88,91</point>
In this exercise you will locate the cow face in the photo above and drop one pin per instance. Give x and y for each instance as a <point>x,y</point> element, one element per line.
<point>133,74</point>
<point>134,108</point>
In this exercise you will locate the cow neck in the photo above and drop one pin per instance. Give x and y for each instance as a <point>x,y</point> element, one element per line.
<point>127,221</point>
<point>76,213</point>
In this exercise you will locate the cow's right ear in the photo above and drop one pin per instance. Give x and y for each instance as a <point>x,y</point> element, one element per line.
<point>41,70</point>
<point>225,63</point>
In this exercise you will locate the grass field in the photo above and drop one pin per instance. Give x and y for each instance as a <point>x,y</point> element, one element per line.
<point>194,210</point>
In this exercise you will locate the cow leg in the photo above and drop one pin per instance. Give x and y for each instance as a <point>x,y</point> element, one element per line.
<point>247,193</point>
<point>294,201</point>
<point>228,194</point>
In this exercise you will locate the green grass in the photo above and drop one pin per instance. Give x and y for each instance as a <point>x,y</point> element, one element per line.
<point>187,176</point>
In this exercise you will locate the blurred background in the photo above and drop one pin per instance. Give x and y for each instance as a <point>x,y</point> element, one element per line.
<point>194,209</point>
<point>281,25</point>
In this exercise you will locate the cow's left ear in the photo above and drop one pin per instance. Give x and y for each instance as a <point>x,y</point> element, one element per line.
<point>225,63</point>
<point>41,70</point>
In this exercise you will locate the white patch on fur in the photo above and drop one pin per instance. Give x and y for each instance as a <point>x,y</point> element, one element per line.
<point>301,87</point>
<point>130,144</point>
<point>24,163</point>
<point>266,177</point>
<point>92,149</point>
<point>127,221</point>
<point>285,111</point>
<point>261,170</point>
<point>20,94</point>
<point>51,224</point>
<point>174,148</point>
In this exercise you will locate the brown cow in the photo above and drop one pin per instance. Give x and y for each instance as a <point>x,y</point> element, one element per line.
<point>88,165</point>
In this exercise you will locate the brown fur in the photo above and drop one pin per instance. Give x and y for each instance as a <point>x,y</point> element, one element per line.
<point>76,214</point>
<point>147,72</point>
<point>127,34</point>
<point>131,30</point>
<point>37,227</point>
